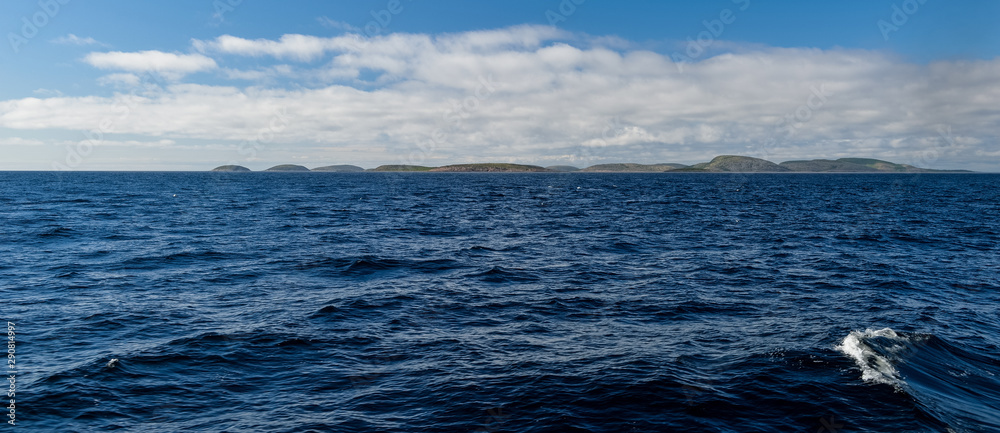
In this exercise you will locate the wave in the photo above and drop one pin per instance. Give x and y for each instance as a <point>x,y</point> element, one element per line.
<point>876,361</point>
<point>57,232</point>
<point>954,384</point>
<point>500,275</point>
<point>368,265</point>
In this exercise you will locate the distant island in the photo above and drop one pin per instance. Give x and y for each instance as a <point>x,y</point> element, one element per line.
<point>340,169</point>
<point>491,168</point>
<point>719,164</point>
<point>288,168</point>
<point>232,169</point>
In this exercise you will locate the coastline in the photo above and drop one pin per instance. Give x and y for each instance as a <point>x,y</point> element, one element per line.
<point>719,164</point>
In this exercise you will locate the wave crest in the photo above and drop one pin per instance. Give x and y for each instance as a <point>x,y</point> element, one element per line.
<point>876,352</point>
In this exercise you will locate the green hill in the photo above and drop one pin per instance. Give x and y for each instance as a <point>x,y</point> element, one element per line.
<point>339,169</point>
<point>232,169</point>
<point>401,168</point>
<point>720,164</point>
<point>563,168</point>
<point>288,168</point>
<point>880,165</point>
<point>491,168</point>
<point>741,164</point>
<point>857,165</point>
<point>827,166</point>
<point>629,167</point>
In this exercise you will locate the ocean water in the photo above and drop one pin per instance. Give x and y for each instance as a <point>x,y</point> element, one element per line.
<point>384,302</point>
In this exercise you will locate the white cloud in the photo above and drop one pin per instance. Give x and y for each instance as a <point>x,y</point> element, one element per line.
<point>122,79</point>
<point>508,38</point>
<point>47,92</point>
<point>18,141</point>
<point>296,47</point>
<point>171,65</point>
<point>527,94</point>
<point>264,74</point>
<point>138,144</point>
<point>307,48</point>
<point>72,39</point>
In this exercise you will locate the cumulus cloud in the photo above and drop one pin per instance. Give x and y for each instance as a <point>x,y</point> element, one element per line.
<point>120,79</point>
<point>263,74</point>
<point>168,64</point>
<point>532,95</point>
<point>296,47</point>
<point>307,48</point>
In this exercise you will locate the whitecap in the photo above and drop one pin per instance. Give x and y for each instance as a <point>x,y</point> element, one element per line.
<point>875,367</point>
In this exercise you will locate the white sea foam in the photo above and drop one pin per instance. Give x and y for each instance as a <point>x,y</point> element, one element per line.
<point>875,367</point>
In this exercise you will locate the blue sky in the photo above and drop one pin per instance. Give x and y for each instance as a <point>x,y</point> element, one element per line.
<point>189,85</point>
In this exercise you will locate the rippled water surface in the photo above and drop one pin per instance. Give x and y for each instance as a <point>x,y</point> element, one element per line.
<point>503,302</point>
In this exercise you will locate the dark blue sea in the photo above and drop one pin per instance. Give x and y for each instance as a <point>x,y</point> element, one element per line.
<point>456,302</point>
